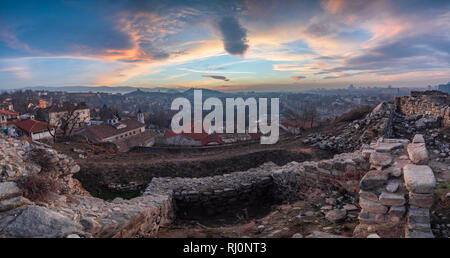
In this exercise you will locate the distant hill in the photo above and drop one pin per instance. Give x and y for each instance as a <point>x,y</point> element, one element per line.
<point>205,92</point>
<point>105,89</point>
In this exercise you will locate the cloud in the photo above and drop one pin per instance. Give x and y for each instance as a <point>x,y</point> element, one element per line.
<point>298,78</point>
<point>234,36</point>
<point>217,77</point>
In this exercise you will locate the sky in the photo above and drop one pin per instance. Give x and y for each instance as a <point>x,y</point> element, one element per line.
<point>257,45</point>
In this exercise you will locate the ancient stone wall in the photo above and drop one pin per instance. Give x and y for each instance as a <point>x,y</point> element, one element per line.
<point>265,184</point>
<point>398,184</point>
<point>422,106</point>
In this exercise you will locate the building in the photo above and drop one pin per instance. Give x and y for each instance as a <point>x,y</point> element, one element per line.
<point>7,116</point>
<point>36,130</point>
<point>192,139</point>
<point>114,132</point>
<point>79,115</point>
<point>444,87</point>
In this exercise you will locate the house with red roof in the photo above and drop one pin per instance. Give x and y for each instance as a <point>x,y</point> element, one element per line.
<point>35,130</point>
<point>192,138</point>
<point>6,116</point>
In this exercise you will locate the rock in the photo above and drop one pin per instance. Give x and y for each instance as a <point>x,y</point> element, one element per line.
<point>309,213</point>
<point>373,179</point>
<point>73,236</point>
<point>9,190</point>
<point>418,153</point>
<point>336,215</point>
<point>374,235</point>
<point>410,233</point>
<point>397,211</point>
<point>350,207</point>
<point>419,178</point>
<point>13,203</point>
<point>35,221</point>
<point>371,217</point>
<point>421,200</point>
<point>75,169</point>
<point>368,195</point>
<point>380,160</point>
<point>372,206</point>
<point>418,216</point>
<point>319,234</point>
<point>388,147</point>
<point>297,235</point>
<point>392,187</point>
<point>391,199</point>
<point>326,207</point>
<point>331,201</point>
<point>418,138</point>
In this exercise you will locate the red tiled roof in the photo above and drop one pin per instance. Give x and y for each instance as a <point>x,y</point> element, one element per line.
<point>6,112</point>
<point>33,126</point>
<point>204,137</point>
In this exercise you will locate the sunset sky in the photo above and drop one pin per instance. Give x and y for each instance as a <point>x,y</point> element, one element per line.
<point>224,45</point>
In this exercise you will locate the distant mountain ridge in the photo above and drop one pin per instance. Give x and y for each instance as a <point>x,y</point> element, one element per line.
<point>105,89</point>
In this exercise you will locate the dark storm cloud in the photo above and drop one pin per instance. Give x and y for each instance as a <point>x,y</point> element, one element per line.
<point>234,36</point>
<point>217,77</point>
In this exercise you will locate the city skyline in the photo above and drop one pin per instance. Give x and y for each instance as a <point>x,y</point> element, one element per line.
<point>225,45</point>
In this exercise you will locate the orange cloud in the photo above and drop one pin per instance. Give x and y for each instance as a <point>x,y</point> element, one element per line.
<point>334,6</point>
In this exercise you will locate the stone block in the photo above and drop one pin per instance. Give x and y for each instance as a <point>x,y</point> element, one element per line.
<point>368,195</point>
<point>418,153</point>
<point>418,216</point>
<point>380,160</point>
<point>419,178</point>
<point>418,138</point>
<point>410,233</point>
<point>388,147</point>
<point>398,211</point>
<point>371,206</point>
<point>392,199</point>
<point>373,179</point>
<point>421,200</point>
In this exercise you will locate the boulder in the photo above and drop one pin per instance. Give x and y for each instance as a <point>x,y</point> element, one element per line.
<point>13,203</point>
<point>419,178</point>
<point>336,215</point>
<point>418,153</point>
<point>418,138</point>
<point>40,222</point>
<point>9,190</point>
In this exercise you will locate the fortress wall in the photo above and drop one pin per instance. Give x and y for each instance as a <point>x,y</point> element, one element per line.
<point>418,106</point>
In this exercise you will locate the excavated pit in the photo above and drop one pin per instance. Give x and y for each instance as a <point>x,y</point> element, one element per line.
<point>129,179</point>
<point>227,206</point>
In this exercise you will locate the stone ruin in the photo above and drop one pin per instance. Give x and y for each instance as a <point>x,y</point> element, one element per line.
<point>396,188</point>
<point>399,187</point>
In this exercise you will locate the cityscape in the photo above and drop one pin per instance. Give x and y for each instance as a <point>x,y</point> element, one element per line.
<point>357,94</point>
